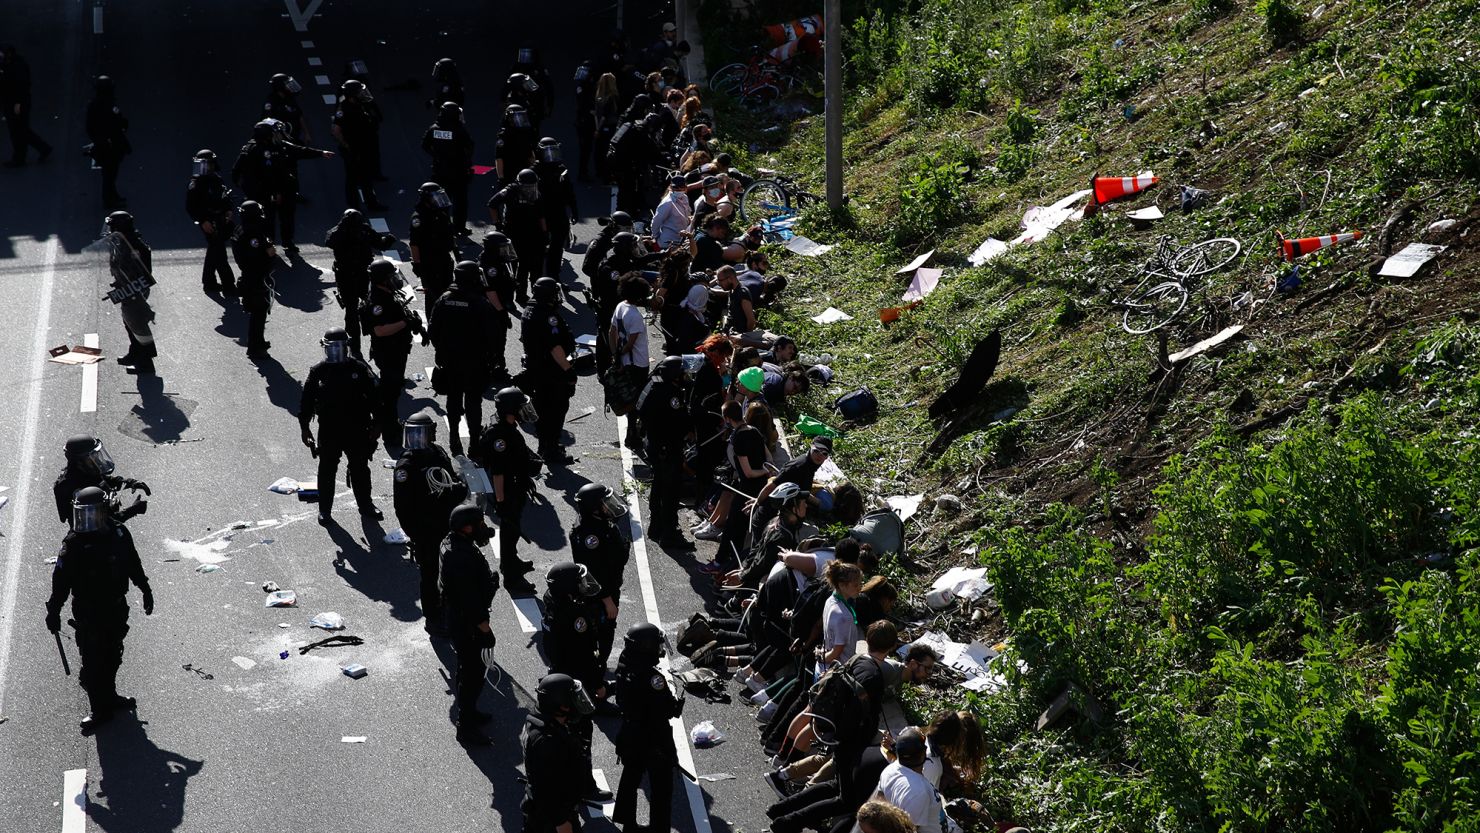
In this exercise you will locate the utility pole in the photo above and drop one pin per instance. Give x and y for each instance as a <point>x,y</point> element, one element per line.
<point>833,102</point>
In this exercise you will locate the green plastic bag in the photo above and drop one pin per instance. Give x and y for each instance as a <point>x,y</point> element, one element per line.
<point>809,427</point>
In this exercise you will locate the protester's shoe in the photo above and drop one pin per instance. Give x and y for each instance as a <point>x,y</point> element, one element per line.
<point>767,712</point>
<point>779,783</point>
<point>94,721</point>
<point>760,698</point>
<point>743,676</point>
<point>756,684</point>
<point>709,532</point>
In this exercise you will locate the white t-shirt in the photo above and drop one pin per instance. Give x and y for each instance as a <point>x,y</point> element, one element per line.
<point>839,628</point>
<point>911,792</point>
<point>628,321</point>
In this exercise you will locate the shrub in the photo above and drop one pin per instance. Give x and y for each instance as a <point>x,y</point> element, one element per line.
<point>933,197</point>
<point>1282,22</point>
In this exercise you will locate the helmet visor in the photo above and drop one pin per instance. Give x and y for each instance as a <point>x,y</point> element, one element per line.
<point>334,351</point>
<point>518,119</point>
<point>615,506</point>
<point>97,461</point>
<point>550,153</point>
<point>88,517</point>
<point>506,252</point>
<point>199,167</point>
<point>527,413</point>
<point>581,701</point>
<point>439,199</point>
<point>292,85</point>
<point>415,436</point>
<point>589,586</point>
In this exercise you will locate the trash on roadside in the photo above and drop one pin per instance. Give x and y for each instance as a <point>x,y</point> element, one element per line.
<point>270,587</point>
<point>284,486</point>
<point>282,654</point>
<point>924,283</point>
<point>284,625</point>
<point>397,536</point>
<point>916,263</point>
<point>1292,248</point>
<point>62,354</point>
<point>977,662</point>
<point>199,672</point>
<point>969,583</point>
<point>939,599</point>
<point>1206,344</point>
<point>339,640</point>
<point>1406,263</point>
<point>718,776</point>
<point>1143,218</point>
<point>1193,198</point>
<point>387,463</point>
<point>831,315</point>
<point>207,568</point>
<point>809,427</point>
<point>889,315</point>
<point>1439,226</point>
<point>705,735</point>
<point>989,249</point>
<point>1108,189</point>
<point>354,670</point>
<point>807,247</point>
<point>244,664</point>
<point>308,491</point>
<point>905,505</point>
<point>329,621</point>
<point>948,505</point>
<point>281,598</point>
<point>476,478</point>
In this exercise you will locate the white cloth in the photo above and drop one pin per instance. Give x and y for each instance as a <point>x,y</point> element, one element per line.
<point>911,792</point>
<point>671,218</point>
<point>696,300</point>
<point>628,321</point>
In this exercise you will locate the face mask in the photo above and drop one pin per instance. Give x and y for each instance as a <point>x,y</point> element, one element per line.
<point>713,194</point>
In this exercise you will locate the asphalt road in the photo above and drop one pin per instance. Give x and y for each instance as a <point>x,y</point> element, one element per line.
<point>241,739</point>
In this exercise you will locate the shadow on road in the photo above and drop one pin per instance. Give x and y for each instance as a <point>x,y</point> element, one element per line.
<point>143,786</point>
<point>372,568</point>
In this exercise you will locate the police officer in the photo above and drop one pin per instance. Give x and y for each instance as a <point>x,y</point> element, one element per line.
<point>524,91</point>
<point>498,261</point>
<point>450,145</point>
<point>552,753</point>
<point>571,624</point>
<point>464,324</point>
<point>95,565</point>
<point>426,489</point>
<point>548,347</point>
<point>467,586</point>
<point>557,203</point>
<point>107,130</point>
<point>585,81</point>
<point>514,150</point>
<point>502,452</point>
<point>131,263</point>
<point>637,147</point>
<point>387,316</point>
<point>645,743</point>
<point>282,104</point>
<point>340,390</point>
<point>354,244</point>
<point>527,62</point>
<point>447,83</point>
<point>625,254</point>
<point>254,252</point>
<point>357,128</point>
<point>665,425</point>
<point>89,464</point>
<point>208,202</point>
<point>267,172</point>
<point>600,246</point>
<point>433,241</point>
<point>517,210</point>
<point>598,544</point>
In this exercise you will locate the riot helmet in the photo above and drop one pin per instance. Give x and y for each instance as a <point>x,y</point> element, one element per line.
<point>628,244</point>
<point>466,514</point>
<point>569,580</point>
<point>262,131</point>
<point>353,90</point>
<point>528,57</point>
<point>529,184</point>
<point>285,83</point>
<point>545,291</point>
<point>450,114</point>
<point>103,86</point>
<point>561,694</point>
<point>516,116</point>
<point>622,220</point>
<point>520,81</point>
<point>203,162</point>
<point>467,275</point>
<point>433,195</point>
<point>336,345</point>
<point>670,369</point>
<point>89,509</point>
<point>251,210</point>
<point>653,123</point>
<point>445,70</point>
<point>87,453</point>
<point>594,498</point>
<point>512,401</point>
<point>646,639</point>
<point>383,272</point>
<point>120,221</point>
<point>549,150</point>
<point>501,246</point>
<point>352,217</point>
<point>418,431</point>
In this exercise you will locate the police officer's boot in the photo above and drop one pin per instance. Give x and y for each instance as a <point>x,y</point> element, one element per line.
<point>101,711</point>
<point>514,580</point>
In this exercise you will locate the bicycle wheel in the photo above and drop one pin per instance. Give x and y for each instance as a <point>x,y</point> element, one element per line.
<point>763,199</point>
<point>760,95</point>
<point>1154,308</point>
<point>729,79</point>
<point>1205,257</point>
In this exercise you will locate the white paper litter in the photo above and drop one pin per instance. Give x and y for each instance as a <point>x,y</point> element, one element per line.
<point>806,247</point>
<point>989,249</point>
<point>475,477</point>
<point>1039,221</point>
<point>352,739</point>
<point>328,620</point>
<point>397,536</point>
<point>1406,263</point>
<point>1146,215</point>
<point>831,315</point>
<point>905,505</point>
<point>968,583</point>
<point>916,263</point>
<point>979,663</point>
<point>705,734</point>
<point>829,474</point>
<point>244,664</point>
<point>284,486</point>
<point>1206,344</point>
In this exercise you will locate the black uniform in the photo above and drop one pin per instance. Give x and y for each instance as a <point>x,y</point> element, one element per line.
<point>426,490</point>
<point>636,153</point>
<point>552,753</point>
<point>451,149</point>
<point>522,219</point>
<point>502,450</point>
<point>72,480</point>
<point>132,269</point>
<point>435,240</point>
<point>571,640</point>
<point>343,396</point>
<point>380,308</point>
<point>207,201</point>
<point>499,277</point>
<point>354,247</point>
<point>515,148</point>
<point>95,569</point>
<point>645,741</point>
<point>598,543</point>
<point>359,128</point>
<point>252,247</point>
<point>464,330</point>
<point>467,586</point>
<point>283,106</point>
<point>542,329</point>
<point>107,130</point>
<point>267,172</point>
<point>665,424</point>
<point>585,81</point>
<point>560,210</point>
<point>15,102</point>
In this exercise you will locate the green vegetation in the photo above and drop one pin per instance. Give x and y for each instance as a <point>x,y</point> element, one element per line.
<point>1263,562</point>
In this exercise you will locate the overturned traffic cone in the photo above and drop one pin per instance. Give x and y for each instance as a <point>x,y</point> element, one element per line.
<point>1292,249</point>
<point>1108,189</point>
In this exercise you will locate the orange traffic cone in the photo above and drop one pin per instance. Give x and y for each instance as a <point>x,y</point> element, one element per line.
<point>1111,188</point>
<point>795,30</point>
<point>1291,249</point>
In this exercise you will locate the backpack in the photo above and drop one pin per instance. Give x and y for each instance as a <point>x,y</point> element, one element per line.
<point>807,611</point>
<point>834,701</point>
<point>859,406</point>
<point>882,529</point>
<point>596,252</point>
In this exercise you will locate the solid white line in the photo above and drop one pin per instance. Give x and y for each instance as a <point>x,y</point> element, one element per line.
<point>650,606</point>
<point>27,458</point>
<point>74,801</point>
<point>90,378</point>
<point>315,61</point>
<point>98,19</point>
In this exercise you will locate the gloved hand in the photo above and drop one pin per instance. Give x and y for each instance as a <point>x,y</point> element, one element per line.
<point>485,639</point>
<point>138,484</point>
<point>148,602</point>
<point>308,441</point>
<point>54,621</point>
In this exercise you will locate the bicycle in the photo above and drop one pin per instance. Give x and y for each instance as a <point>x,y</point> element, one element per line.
<point>772,196</point>
<point>1161,294</point>
<point>758,81</point>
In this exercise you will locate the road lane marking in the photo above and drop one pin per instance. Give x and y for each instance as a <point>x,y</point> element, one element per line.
<point>26,460</point>
<point>306,44</point>
<point>462,424</point>
<point>380,225</point>
<point>74,801</point>
<point>606,806</point>
<point>300,17</point>
<point>98,18</point>
<point>650,605</point>
<point>526,609</point>
<point>90,378</point>
<point>321,80</point>
<point>330,100</point>
<point>315,61</point>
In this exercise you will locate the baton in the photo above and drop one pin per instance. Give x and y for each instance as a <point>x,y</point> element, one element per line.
<point>66,669</point>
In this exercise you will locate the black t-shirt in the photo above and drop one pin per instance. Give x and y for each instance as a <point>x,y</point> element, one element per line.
<point>748,443</point>
<point>737,310</point>
<point>709,253</point>
<point>799,470</point>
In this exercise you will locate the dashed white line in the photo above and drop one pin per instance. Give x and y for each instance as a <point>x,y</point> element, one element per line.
<point>90,378</point>
<point>74,801</point>
<point>329,99</point>
<point>306,44</point>
<point>315,61</point>
<point>527,611</point>
<point>98,19</point>
<point>27,458</point>
<point>321,80</point>
<point>650,606</point>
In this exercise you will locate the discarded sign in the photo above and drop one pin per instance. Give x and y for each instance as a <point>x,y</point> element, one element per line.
<point>969,583</point>
<point>806,247</point>
<point>352,739</point>
<point>1206,344</point>
<point>1406,263</point>
<point>923,284</point>
<point>354,670</point>
<point>916,263</point>
<point>1145,216</point>
<point>831,315</point>
<point>62,354</point>
<point>397,536</point>
<point>244,664</point>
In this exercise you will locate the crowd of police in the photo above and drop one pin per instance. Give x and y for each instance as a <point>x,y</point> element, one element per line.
<point>791,604</point>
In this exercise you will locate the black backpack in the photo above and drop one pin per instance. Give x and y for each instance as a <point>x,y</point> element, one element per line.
<point>835,702</point>
<point>807,611</point>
